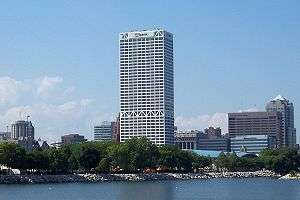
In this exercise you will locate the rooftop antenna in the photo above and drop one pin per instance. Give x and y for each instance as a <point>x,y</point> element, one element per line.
<point>27,117</point>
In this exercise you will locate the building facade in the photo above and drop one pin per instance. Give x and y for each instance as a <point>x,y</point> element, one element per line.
<point>213,131</point>
<point>72,139</point>
<point>103,132</point>
<point>286,108</point>
<point>256,123</point>
<point>252,143</point>
<point>187,140</point>
<point>22,130</point>
<point>197,140</point>
<point>214,144</point>
<point>115,130</point>
<point>147,86</point>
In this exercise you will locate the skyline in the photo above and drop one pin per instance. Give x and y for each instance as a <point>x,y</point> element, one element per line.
<point>63,70</point>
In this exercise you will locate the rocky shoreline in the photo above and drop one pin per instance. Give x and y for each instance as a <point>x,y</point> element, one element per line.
<point>97,178</point>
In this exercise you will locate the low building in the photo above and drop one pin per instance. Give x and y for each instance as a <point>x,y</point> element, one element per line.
<point>214,144</point>
<point>252,143</point>
<point>72,139</point>
<point>198,140</point>
<point>187,139</point>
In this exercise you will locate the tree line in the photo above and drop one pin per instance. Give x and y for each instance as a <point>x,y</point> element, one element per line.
<point>136,155</point>
<point>282,160</point>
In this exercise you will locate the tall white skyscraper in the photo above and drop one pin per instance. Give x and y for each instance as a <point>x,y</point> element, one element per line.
<point>286,108</point>
<point>147,86</point>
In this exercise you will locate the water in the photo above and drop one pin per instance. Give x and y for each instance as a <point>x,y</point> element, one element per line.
<point>214,189</point>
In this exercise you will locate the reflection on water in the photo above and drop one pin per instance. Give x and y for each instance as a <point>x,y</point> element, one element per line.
<point>146,191</point>
<point>216,189</point>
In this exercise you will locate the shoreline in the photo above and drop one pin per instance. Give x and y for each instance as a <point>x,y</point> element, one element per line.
<point>99,178</point>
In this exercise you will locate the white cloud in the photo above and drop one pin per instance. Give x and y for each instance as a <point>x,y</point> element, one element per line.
<point>250,110</point>
<point>201,122</point>
<point>46,85</point>
<point>10,90</point>
<point>53,107</point>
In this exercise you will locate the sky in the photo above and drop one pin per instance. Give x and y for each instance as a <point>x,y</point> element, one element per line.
<point>59,59</point>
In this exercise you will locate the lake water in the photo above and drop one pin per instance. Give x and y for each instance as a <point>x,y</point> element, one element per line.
<point>215,189</point>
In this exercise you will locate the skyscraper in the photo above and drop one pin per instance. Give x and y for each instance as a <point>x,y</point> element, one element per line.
<point>147,86</point>
<point>286,108</point>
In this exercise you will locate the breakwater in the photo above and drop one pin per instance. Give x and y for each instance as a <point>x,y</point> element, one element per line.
<point>95,178</point>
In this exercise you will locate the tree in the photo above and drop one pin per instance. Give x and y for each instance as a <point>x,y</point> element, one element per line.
<point>119,156</point>
<point>104,165</point>
<point>142,153</point>
<point>201,161</point>
<point>38,160</point>
<point>168,156</point>
<point>58,161</point>
<point>89,158</point>
<point>12,155</point>
<point>281,160</point>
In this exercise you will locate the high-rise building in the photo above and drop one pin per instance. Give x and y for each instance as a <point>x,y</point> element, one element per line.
<point>22,130</point>
<point>286,108</point>
<point>256,123</point>
<point>147,86</point>
<point>103,132</point>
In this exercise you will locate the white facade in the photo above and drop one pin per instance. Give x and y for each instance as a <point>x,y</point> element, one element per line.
<point>147,86</point>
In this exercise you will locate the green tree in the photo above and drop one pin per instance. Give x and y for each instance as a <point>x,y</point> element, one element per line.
<point>142,153</point>
<point>38,160</point>
<point>12,155</point>
<point>89,158</point>
<point>104,165</point>
<point>119,156</point>
<point>58,161</point>
<point>168,156</point>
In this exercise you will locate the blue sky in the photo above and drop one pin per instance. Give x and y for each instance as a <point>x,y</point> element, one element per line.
<point>59,59</point>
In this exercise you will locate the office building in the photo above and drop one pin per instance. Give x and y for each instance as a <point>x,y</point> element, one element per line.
<point>22,130</point>
<point>214,144</point>
<point>255,123</point>
<point>103,132</point>
<point>252,143</point>
<point>72,139</point>
<point>146,86</point>
<point>286,108</point>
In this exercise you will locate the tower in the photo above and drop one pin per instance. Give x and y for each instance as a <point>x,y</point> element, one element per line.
<point>286,108</point>
<point>147,86</point>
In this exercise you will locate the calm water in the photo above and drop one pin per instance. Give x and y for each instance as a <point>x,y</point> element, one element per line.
<point>225,189</point>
